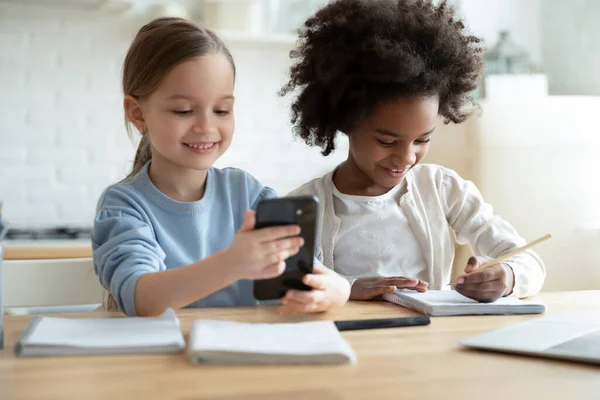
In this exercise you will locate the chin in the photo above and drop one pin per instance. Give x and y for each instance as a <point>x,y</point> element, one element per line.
<point>197,165</point>
<point>388,182</point>
<point>203,166</point>
<point>390,185</point>
<point>199,162</point>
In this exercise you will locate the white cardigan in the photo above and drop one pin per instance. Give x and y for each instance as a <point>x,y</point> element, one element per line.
<point>440,207</point>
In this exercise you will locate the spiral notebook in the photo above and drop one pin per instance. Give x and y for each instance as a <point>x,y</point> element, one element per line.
<point>229,342</point>
<point>438,303</point>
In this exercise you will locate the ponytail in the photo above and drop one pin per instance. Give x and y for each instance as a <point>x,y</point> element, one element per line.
<point>142,156</point>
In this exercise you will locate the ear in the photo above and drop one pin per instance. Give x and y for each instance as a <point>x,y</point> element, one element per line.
<point>133,112</point>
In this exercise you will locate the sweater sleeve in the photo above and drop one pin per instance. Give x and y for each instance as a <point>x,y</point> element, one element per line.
<point>265,193</point>
<point>124,249</point>
<point>475,224</point>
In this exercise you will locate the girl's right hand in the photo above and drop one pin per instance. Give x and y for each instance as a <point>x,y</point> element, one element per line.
<point>261,253</point>
<point>371,288</point>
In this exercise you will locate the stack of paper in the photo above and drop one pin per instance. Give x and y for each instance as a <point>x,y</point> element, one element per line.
<point>51,336</point>
<point>228,342</point>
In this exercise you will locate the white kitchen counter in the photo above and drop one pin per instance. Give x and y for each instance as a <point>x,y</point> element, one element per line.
<point>47,249</point>
<point>47,243</point>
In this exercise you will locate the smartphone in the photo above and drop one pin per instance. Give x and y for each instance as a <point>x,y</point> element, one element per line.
<point>301,211</point>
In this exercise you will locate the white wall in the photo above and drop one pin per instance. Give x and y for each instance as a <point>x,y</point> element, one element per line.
<point>539,170</point>
<point>521,18</point>
<point>62,137</point>
<point>561,37</point>
<point>571,50</point>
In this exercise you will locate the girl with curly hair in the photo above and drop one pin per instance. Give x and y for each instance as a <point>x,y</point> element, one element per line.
<point>382,72</point>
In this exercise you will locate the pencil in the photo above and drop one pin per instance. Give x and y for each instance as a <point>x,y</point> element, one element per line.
<point>508,255</point>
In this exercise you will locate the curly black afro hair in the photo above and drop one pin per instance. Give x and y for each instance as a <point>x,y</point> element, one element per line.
<point>353,54</point>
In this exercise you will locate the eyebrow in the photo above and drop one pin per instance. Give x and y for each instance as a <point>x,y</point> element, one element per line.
<point>397,135</point>
<point>184,97</point>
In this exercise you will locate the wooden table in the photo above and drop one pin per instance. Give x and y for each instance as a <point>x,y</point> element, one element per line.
<point>405,363</point>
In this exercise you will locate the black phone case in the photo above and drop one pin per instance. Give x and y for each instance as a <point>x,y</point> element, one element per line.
<point>302,211</point>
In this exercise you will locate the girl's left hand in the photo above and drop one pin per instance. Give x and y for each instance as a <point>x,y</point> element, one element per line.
<point>485,285</point>
<point>329,290</point>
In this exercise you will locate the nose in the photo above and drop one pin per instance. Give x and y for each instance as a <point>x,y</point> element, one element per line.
<point>204,124</point>
<point>405,156</point>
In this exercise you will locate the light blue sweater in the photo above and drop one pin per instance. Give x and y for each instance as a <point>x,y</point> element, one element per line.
<point>138,230</point>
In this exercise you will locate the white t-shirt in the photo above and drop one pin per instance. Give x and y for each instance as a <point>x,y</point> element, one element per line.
<point>375,238</point>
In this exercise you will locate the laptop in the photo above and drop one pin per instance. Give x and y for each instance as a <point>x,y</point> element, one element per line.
<point>573,337</point>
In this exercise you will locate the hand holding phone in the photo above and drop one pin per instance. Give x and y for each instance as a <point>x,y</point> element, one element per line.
<point>283,213</point>
<point>259,254</point>
<point>329,290</point>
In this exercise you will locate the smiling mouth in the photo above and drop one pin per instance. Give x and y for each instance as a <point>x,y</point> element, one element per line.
<point>203,146</point>
<point>395,173</point>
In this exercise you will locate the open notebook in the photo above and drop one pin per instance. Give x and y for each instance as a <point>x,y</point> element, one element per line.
<point>228,342</point>
<point>53,336</point>
<point>450,302</point>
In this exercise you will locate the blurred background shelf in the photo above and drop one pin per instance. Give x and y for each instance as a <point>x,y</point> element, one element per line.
<point>233,37</point>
